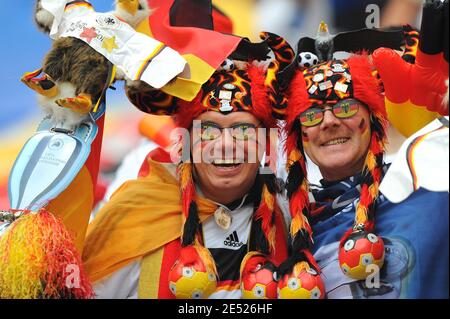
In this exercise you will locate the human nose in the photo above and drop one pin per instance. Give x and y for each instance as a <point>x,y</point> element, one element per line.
<point>226,142</point>
<point>227,137</point>
<point>329,119</point>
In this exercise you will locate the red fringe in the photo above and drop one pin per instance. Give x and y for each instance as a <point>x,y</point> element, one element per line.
<point>375,145</point>
<point>298,98</point>
<point>265,214</point>
<point>298,201</point>
<point>365,198</point>
<point>344,238</point>
<point>261,104</point>
<point>366,87</point>
<point>369,225</point>
<point>311,259</point>
<point>188,111</point>
<point>187,197</point>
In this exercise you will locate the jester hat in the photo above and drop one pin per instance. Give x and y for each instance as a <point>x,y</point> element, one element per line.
<point>328,83</point>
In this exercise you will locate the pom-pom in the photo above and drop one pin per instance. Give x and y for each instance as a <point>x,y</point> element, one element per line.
<point>38,259</point>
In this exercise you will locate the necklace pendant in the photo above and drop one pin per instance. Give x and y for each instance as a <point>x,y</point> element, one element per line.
<point>223,218</point>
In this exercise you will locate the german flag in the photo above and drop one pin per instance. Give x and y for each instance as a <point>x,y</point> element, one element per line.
<point>192,28</point>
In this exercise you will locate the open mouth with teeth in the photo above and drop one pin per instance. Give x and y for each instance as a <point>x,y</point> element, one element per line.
<point>227,163</point>
<point>336,141</point>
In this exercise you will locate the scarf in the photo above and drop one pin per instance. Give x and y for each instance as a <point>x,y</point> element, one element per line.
<point>142,216</point>
<point>331,197</point>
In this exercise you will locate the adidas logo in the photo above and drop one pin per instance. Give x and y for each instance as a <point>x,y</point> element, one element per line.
<point>233,240</point>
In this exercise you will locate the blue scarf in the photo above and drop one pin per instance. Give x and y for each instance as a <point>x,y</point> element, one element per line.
<point>331,197</point>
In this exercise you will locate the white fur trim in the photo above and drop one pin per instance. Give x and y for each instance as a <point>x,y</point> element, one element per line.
<point>44,18</point>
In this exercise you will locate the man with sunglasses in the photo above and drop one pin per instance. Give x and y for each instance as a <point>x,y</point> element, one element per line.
<point>365,246</point>
<point>337,136</point>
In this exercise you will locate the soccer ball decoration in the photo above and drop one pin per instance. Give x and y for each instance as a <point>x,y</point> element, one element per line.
<point>307,59</point>
<point>307,284</point>
<point>227,65</point>
<point>189,278</point>
<point>358,251</point>
<point>258,279</point>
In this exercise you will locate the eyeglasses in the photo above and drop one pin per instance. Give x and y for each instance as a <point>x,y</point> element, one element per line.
<point>342,110</point>
<point>241,131</point>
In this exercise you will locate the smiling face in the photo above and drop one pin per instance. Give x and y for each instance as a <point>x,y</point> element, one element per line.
<point>225,168</point>
<point>130,6</point>
<point>338,146</point>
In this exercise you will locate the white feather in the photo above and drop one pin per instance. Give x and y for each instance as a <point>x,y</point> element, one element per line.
<point>61,114</point>
<point>120,75</point>
<point>44,18</point>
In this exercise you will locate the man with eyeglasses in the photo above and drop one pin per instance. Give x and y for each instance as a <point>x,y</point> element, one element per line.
<point>363,244</point>
<point>203,221</point>
<point>226,150</point>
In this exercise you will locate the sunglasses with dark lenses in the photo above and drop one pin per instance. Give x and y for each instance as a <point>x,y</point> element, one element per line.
<point>240,131</point>
<point>343,109</point>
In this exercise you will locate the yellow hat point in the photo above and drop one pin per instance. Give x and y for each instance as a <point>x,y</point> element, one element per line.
<point>323,27</point>
<point>130,6</point>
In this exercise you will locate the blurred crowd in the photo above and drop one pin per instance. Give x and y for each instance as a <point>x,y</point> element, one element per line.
<point>295,18</point>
